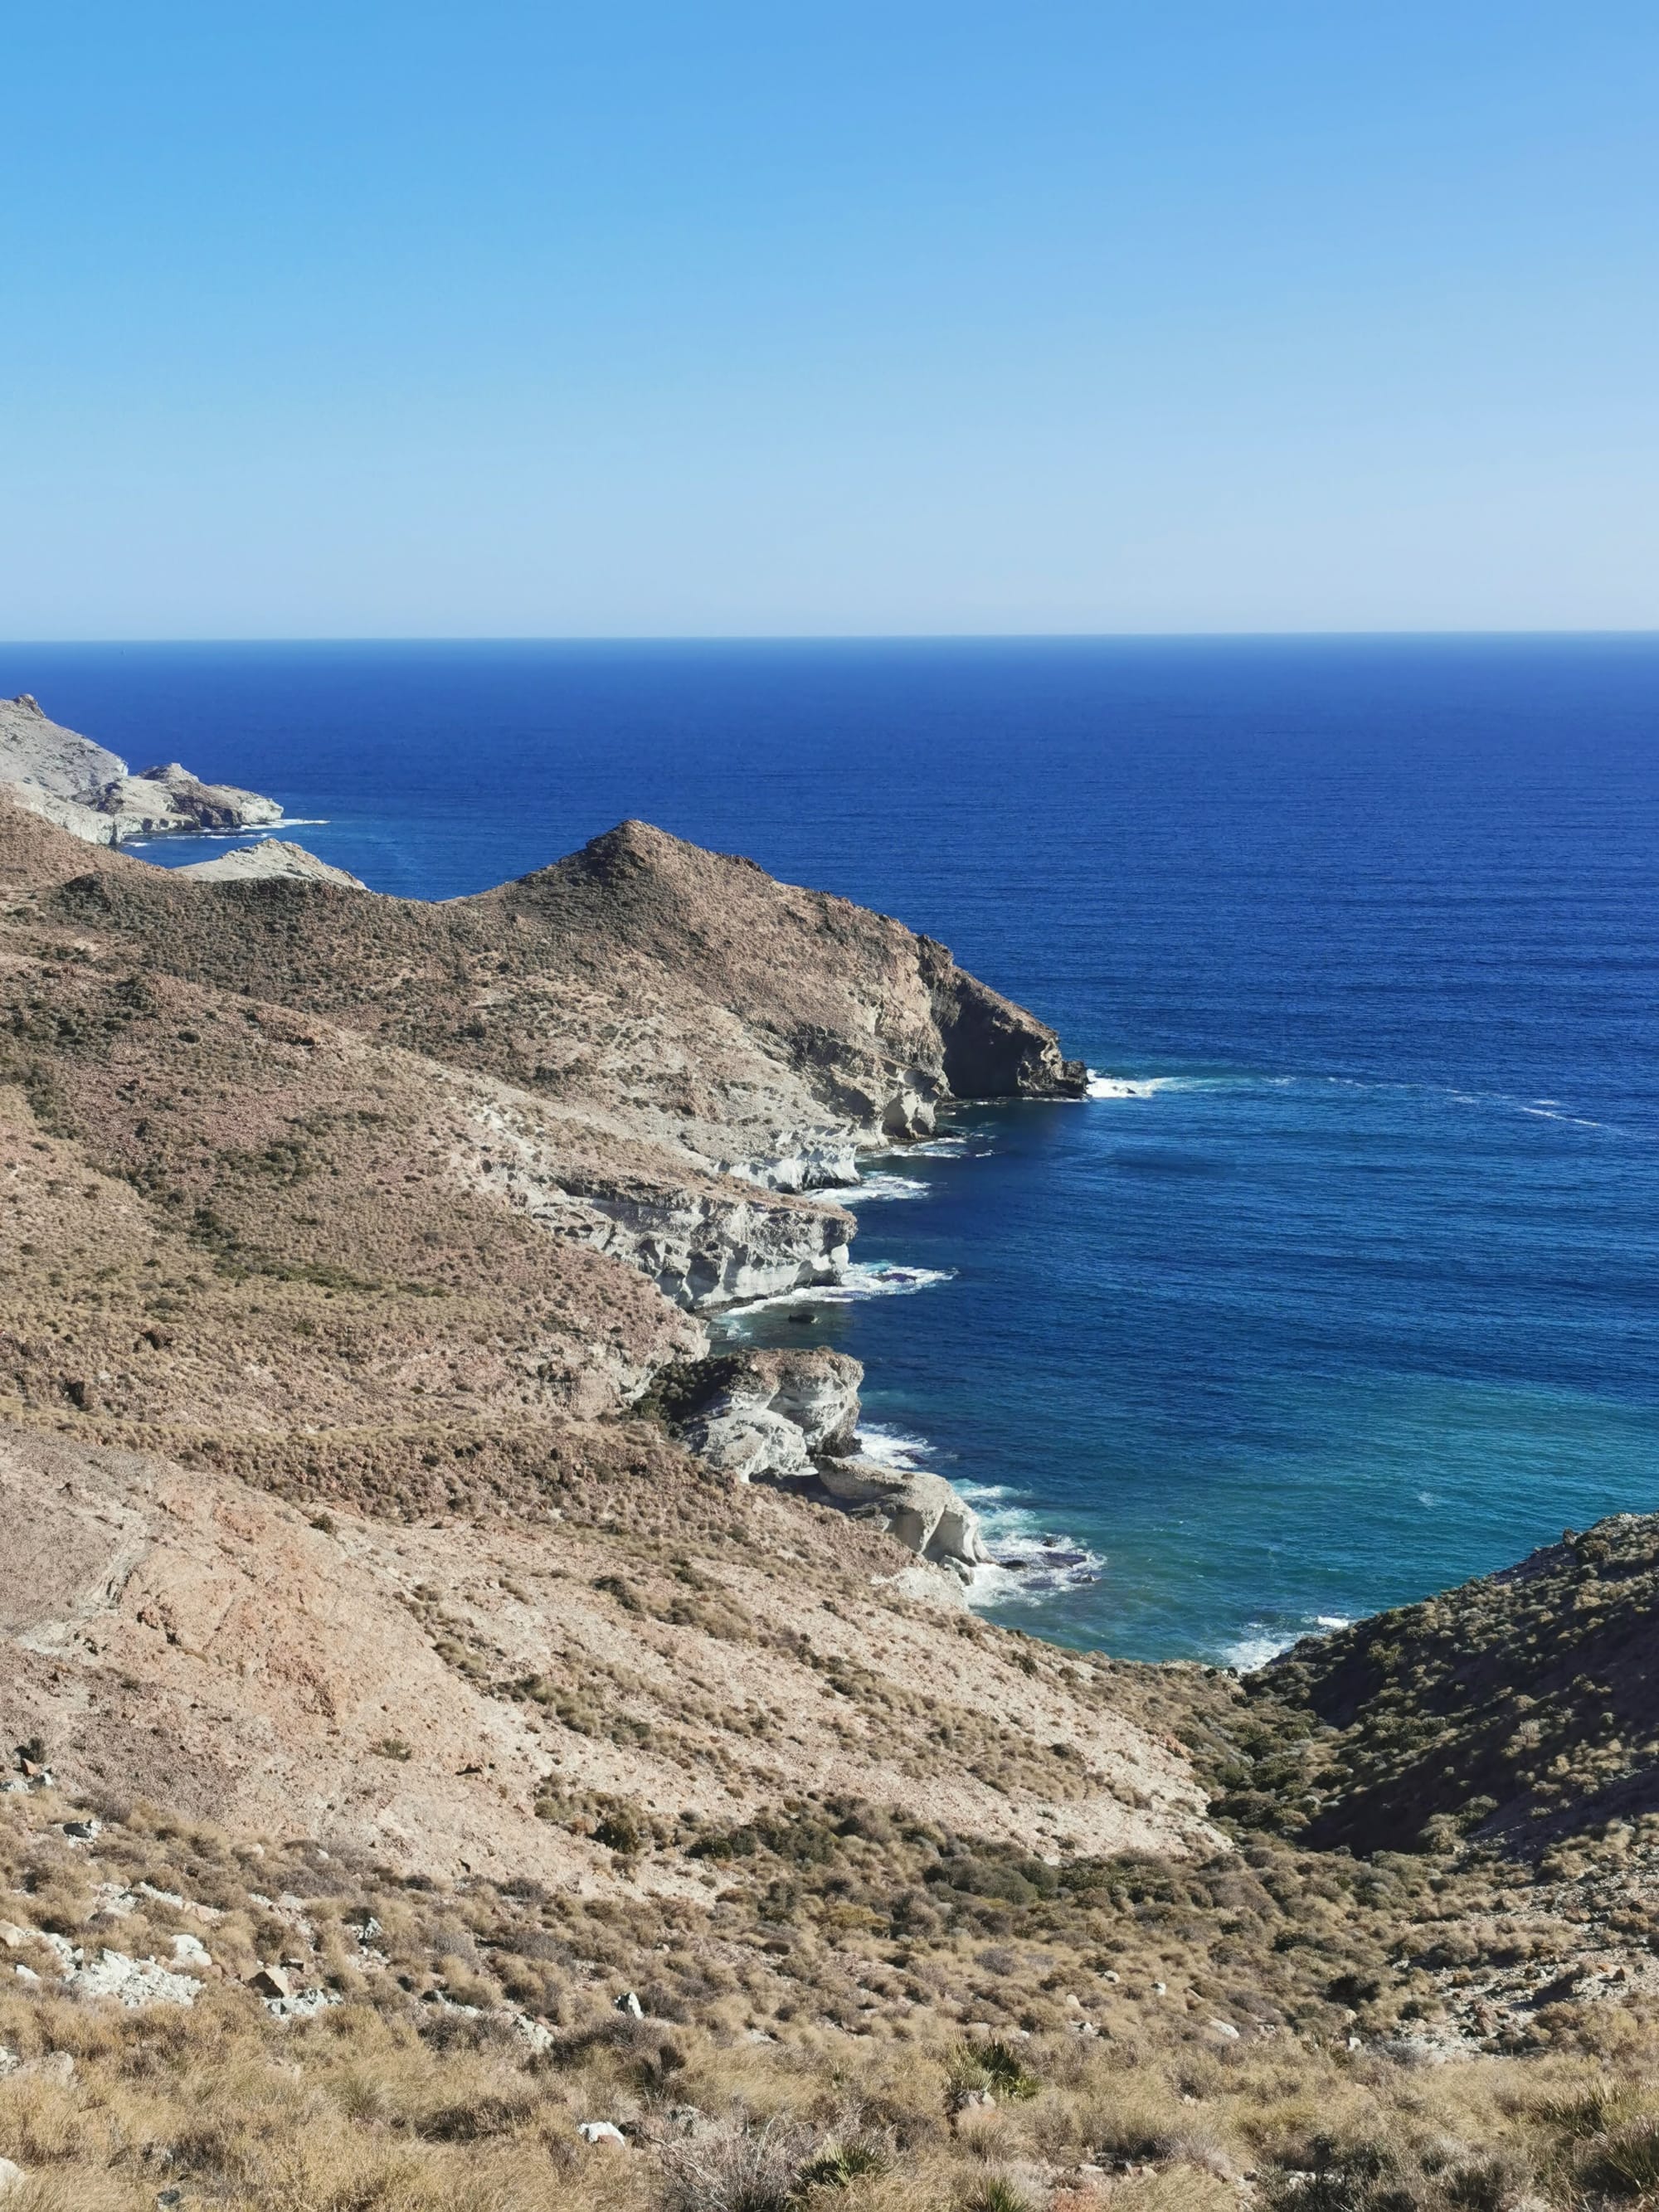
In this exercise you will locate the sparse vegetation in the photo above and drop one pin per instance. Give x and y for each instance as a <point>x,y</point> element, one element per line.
<point>653,1809</point>
<point>797,2038</point>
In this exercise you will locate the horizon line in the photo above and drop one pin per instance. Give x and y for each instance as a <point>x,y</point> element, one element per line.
<point>848,637</point>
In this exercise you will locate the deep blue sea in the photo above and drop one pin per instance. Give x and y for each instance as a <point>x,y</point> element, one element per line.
<point>1350,1287</point>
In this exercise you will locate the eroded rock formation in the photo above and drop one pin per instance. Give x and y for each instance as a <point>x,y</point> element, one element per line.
<point>90,791</point>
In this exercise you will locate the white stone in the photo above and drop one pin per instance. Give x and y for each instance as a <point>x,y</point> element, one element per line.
<point>132,1982</point>
<point>306,2004</point>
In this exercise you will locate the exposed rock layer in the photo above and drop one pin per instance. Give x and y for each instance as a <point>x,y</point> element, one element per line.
<point>271,856</point>
<point>90,791</point>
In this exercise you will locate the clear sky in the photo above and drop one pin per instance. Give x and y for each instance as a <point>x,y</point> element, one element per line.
<point>515,317</point>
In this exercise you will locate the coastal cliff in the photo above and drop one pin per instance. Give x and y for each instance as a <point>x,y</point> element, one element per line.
<point>90,791</point>
<point>584,1109</point>
<point>497,1740</point>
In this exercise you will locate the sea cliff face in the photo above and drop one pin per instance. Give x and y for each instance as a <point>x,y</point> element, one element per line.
<point>90,791</point>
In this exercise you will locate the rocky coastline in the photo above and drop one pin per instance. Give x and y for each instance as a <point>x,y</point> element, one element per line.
<point>90,791</point>
<point>657,1054</point>
<point>526,1740</point>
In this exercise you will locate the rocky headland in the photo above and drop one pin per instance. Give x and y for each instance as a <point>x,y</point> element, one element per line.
<point>90,791</point>
<point>478,1742</point>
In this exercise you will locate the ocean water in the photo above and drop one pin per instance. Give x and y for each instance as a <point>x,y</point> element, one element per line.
<point>1345,1284</point>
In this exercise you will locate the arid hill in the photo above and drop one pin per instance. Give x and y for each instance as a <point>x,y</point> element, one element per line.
<point>477,1749</point>
<point>1519,1709</point>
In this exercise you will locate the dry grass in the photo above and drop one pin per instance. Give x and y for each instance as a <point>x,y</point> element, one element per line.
<point>740,2089</point>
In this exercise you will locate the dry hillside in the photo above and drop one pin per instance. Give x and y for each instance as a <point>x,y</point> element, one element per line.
<point>429,1745</point>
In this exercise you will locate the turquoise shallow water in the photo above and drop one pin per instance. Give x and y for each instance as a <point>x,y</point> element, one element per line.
<point>1348,1285</point>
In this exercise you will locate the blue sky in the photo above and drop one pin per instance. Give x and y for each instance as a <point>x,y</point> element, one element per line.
<point>929,316</point>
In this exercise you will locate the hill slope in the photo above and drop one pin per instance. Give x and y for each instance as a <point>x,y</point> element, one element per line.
<point>452,1711</point>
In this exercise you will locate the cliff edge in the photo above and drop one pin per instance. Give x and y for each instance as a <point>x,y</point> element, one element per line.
<point>90,791</point>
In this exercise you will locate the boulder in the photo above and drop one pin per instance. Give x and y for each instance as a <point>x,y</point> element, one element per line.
<point>765,1416</point>
<point>922,1509</point>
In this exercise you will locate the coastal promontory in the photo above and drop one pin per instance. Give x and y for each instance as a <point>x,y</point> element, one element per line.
<point>90,791</point>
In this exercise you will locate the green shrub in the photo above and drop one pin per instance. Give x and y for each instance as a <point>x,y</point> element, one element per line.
<point>996,2066</point>
<point>995,2196</point>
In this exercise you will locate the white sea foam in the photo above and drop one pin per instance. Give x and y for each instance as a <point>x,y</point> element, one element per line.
<point>1028,1562</point>
<point>1152,1086</point>
<point>876,1187</point>
<point>1253,1651</point>
<point>892,1447</point>
<point>1259,1643</point>
<point>1577,1121</point>
<point>864,1279</point>
<point>1540,1110</point>
<point>880,1278</point>
<point>1125,1086</point>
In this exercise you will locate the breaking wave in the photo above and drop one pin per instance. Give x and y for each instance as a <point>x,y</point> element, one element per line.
<point>1100,1086</point>
<point>1259,1643</point>
<point>863,1278</point>
<point>1028,1562</point>
<point>874,1186</point>
<point>879,1278</point>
